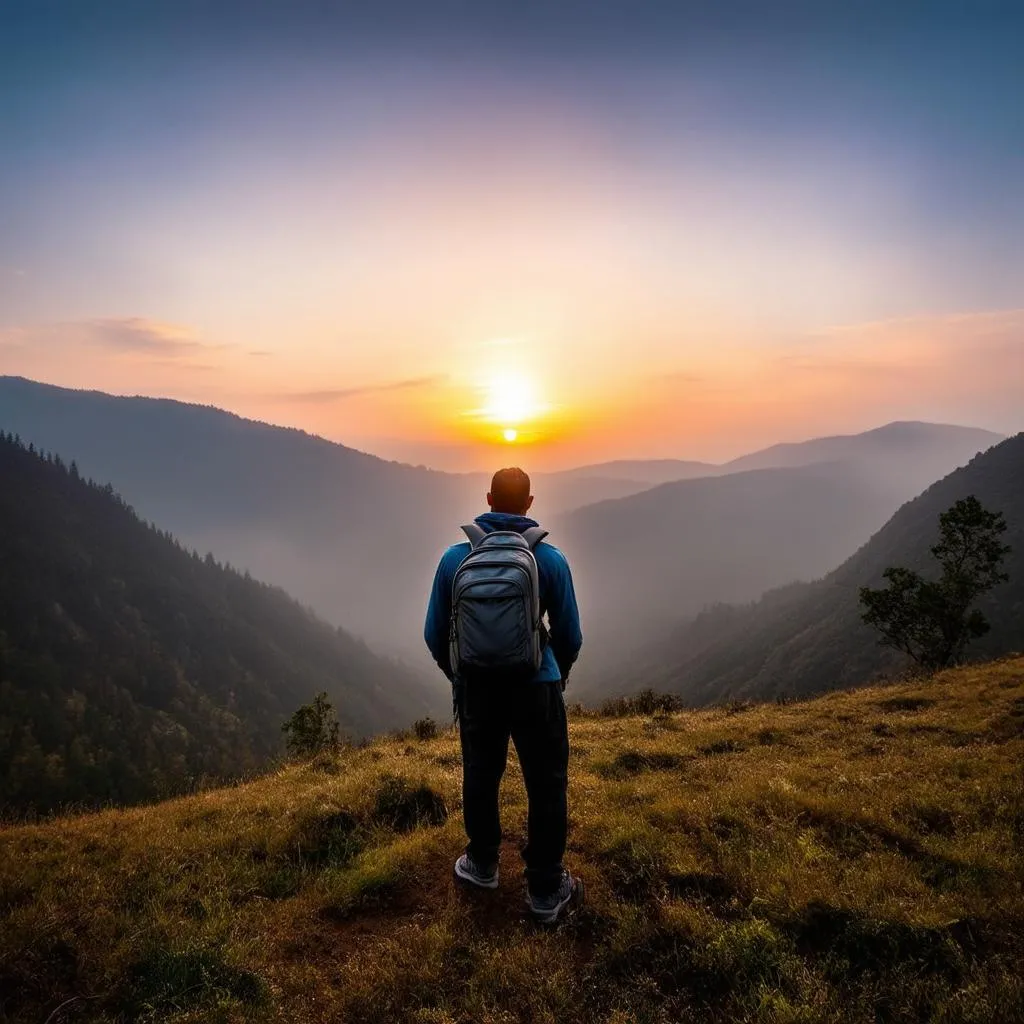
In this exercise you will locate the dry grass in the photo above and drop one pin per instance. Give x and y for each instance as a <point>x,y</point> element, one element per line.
<point>854,858</point>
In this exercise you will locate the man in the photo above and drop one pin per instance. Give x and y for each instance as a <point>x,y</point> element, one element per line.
<point>491,707</point>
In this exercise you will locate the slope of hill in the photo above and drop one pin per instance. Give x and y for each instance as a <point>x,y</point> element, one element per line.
<point>130,668</point>
<point>646,471</point>
<point>930,444</point>
<point>855,860</point>
<point>929,450</point>
<point>809,637</point>
<point>647,562</point>
<point>350,534</point>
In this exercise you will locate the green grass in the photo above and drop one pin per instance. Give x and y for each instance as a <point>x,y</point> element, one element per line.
<point>857,858</point>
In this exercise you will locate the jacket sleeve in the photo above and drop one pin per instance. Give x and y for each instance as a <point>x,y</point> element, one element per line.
<point>566,637</point>
<point>439,612</point>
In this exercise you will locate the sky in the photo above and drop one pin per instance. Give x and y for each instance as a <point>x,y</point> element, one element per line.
<point>551,233</point>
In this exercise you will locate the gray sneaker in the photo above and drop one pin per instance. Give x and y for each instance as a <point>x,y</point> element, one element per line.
<point>549,909</point>
<point>467,870</point>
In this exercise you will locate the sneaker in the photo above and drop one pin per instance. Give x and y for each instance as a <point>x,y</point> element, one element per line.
<point>548,909</point>
<point>467,870</point>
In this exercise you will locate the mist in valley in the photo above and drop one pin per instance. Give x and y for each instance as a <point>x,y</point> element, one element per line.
<point>357,538</point>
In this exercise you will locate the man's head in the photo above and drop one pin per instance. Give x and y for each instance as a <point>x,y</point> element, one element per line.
<point>510,492</point>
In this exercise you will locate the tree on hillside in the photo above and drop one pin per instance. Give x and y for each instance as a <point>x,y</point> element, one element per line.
<point>312,729</point>
<point>933,621</point>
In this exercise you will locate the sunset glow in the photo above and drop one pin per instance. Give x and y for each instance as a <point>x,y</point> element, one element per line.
<point>511,399</point>
<point>665,249</point>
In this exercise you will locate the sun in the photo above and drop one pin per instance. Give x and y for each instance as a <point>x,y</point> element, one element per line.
<point>511,408</point>
<point>511,399</point>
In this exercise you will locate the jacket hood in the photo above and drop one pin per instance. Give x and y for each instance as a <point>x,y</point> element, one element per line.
<point>491,521</point>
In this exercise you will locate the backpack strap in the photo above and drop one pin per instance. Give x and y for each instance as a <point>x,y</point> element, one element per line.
<point>533,535</point>
<point>475,533</point>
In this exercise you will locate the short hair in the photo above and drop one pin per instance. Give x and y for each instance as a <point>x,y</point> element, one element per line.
<point>510,489</point>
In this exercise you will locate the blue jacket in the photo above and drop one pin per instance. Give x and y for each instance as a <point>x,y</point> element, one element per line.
<point>557,600</point>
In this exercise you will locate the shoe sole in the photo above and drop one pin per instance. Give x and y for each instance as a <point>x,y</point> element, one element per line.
<point>571,902</point>
<point>465,876</point>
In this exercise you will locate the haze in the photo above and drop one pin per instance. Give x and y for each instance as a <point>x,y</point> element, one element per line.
<point>664,231</point>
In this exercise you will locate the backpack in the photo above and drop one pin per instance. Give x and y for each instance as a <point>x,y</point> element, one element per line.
<point>496,629</point>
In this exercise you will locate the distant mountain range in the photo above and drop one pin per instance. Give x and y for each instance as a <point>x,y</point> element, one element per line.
<point>131,668</point>
<point>926,447</point>
<point>358,538</point>
<point>350,534</point>
<point>654,559</point>
<point>809,637</point>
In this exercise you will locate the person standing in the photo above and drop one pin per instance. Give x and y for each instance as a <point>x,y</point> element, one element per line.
<point>503,625</point>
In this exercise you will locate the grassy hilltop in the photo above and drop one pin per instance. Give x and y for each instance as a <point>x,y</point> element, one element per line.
<point>854,858</point>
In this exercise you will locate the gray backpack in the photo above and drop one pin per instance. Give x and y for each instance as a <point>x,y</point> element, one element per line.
<point>496,629</point>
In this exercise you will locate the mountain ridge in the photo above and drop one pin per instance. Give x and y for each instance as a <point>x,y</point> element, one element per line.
<point>130,667</point>
<point>345,532</point>
<point>808,637</point>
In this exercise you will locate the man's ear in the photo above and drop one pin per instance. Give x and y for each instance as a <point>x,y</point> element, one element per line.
<point>490,500</point>
<point>529,502</point>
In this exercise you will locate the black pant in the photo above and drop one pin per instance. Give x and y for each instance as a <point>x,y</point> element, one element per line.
<point>533,714</point>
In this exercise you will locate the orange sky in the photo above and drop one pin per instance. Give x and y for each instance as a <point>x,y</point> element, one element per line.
<point>572,400</point>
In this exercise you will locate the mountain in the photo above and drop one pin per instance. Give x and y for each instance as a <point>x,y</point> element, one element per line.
<point>809,637</point>
<point>854,859</point>
<point>933,448</point>
<point>352,535</point>
<point>130,668</point>
<point>648,562</point>
<point>358,538</point>
<point>929,445</point>
<point>647,471</point>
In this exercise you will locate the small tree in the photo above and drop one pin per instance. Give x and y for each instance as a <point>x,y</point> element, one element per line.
<point>933,622</point>
<point>313,729</point>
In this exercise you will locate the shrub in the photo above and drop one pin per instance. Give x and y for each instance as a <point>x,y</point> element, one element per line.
<point>312,729</point>
<point>425,728</point>
<point>646,702</point>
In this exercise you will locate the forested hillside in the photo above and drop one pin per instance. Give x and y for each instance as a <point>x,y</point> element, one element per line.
<point>809,637</point>
<point>130,668</point>
<point>648,562</point>
<point>354,536</point>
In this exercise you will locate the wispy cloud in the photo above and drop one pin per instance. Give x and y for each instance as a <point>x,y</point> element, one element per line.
<point>126,335</point>
<point>329,395</point>
<point>136,334</point>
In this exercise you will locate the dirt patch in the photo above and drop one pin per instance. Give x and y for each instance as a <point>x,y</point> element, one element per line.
<point>905,703</point>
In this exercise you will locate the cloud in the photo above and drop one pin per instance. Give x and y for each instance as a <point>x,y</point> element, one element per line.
<point>137,334</point>
<point>124,335</point>
<point>330,395</point>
